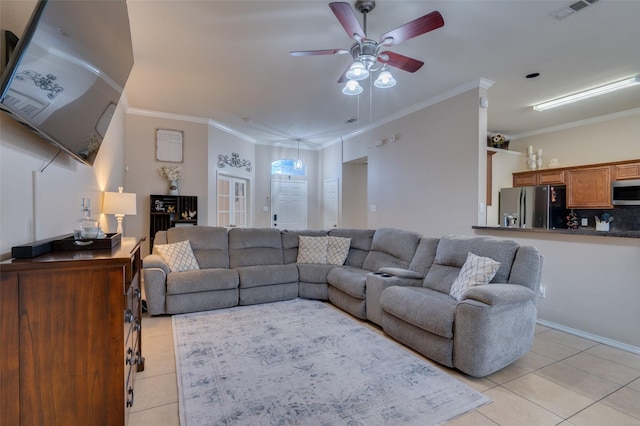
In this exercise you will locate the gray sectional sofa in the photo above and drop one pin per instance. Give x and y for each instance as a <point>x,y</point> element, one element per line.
<point>396,279</point>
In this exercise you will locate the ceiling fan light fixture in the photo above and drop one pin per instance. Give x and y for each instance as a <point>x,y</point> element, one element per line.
<point>586,94</point>
<point>352,88</point>
<point>357,71</point>
<point>385,80</point>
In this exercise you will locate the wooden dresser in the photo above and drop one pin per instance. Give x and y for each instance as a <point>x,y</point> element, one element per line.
<point>70,344</point>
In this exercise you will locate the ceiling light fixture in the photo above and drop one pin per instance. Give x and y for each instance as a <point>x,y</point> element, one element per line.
<point>385,80</point>
<point>352,88</point>
<point>297,165</point>
<point>357,71</point>
<point>596,91</point>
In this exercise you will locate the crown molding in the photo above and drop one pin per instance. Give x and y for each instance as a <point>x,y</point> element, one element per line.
<point>580,123</point>
<point>190,119</point>
<point>481,83</point>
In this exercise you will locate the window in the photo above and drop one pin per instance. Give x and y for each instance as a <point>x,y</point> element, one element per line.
<point>287,167</point>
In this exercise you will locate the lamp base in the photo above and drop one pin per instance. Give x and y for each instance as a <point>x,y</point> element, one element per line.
<point>119,218</point>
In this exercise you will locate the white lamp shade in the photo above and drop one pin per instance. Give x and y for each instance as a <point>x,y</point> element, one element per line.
<point>119,203</point>
<point>352,88</point>
<point>357,71</point>
<point>385,80</point>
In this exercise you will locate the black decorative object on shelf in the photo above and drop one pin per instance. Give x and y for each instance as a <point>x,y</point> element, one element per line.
<point>235,161</point>
<point>167,211</point>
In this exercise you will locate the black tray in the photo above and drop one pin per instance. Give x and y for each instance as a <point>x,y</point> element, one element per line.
<point>108,242</point>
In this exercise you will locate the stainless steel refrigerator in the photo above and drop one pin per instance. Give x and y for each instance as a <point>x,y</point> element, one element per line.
<point>534,207</point>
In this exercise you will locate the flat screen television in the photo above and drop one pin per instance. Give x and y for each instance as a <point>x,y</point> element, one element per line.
<point>65,77</point>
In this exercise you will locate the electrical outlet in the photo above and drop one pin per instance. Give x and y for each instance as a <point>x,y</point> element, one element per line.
<point>543,292</point>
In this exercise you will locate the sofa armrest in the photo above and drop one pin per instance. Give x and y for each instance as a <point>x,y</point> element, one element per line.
<point>402,273</point>
<point>499,294</point>
<point>155,261</point>
<point>154,279</point>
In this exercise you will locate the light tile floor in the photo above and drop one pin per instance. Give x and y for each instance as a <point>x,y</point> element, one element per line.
<point>564,380</point>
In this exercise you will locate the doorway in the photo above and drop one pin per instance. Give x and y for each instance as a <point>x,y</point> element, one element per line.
<point>289,204</point>
<point>232,202</point>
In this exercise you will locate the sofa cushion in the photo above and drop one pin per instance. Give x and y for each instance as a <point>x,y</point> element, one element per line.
<point>427,309</point>
<point>290,241</point>
<point>391,248</point>
<point>360,244</point>
<point>475,271</point>
<point>178,256</point>
<point>312,249</point>
<point>202,280</point>
<point>261,275</point>
<point>452,252</point>
<point>210,244</point>
<point>351,281</point>
<point>255,246</point>
<point>337,250</point>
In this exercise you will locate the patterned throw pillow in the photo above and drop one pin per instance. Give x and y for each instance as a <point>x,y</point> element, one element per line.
<point>337,250</point>
<point>178,256</point>
<point>475,271</point>
<point>312,249</point>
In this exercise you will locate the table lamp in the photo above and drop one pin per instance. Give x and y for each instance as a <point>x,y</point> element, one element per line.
<point>119,204</point>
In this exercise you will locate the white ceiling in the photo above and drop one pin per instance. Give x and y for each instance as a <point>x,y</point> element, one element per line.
<point>228,61</point>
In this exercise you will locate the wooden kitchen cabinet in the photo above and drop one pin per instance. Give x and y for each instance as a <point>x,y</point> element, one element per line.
<point>70,336</point>
<point>626,171</point>
<point>525,179</point>
<point>551,177</point>
<point>589,187</point>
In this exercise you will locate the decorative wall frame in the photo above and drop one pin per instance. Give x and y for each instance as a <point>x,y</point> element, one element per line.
<point>169,145</point>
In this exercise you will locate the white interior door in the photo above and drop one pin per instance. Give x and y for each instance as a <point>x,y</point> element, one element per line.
<point>331,203</point>
<point>288,204</point>
<point>232,202</point>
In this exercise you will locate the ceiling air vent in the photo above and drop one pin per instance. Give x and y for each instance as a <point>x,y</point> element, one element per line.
<point>563,12</point>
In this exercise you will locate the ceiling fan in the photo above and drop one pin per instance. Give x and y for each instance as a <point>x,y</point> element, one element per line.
<point>366,52</point>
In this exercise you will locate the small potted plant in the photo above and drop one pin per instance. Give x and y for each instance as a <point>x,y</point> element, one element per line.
<point>498,141</point>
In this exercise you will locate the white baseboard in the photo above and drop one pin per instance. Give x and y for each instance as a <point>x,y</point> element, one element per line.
<point>599,339</point>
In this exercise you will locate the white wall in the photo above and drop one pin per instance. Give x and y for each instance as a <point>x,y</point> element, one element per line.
<point>39,201</point>
<point>354,195</point>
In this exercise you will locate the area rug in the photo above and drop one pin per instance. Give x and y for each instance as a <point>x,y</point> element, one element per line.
<point>301,362</point>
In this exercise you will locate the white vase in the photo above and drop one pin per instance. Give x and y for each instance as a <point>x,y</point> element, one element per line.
<point>173,187</point>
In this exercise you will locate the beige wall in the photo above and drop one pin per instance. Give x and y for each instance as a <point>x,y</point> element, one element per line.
<point>142,176</point>
<point>592,282</point>
<point>427,181</point>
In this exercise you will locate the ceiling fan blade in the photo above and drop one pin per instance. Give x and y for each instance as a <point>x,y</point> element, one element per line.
<point>347,18</point>
<point>424,24</point>
<point>318,52</point>
<point>400,61</point>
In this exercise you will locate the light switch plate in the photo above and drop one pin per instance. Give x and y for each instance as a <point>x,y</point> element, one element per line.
<point>584,221</point>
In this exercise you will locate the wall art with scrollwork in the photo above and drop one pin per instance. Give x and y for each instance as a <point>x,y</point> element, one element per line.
<point>234,161</point>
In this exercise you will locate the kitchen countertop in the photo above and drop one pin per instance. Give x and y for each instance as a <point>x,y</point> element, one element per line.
<point>579,231</point>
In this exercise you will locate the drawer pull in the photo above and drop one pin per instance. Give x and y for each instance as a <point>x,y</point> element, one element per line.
<point>128,316</point>
<point>130,400</point>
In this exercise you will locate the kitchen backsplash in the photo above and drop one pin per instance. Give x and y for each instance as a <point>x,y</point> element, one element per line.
<point>625,218</point>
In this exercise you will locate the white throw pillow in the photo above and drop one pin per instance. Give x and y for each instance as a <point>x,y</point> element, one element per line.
<point>312,249</point>
<point>179,256</point>
<point>337,250</point>
<point>475,271</point>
